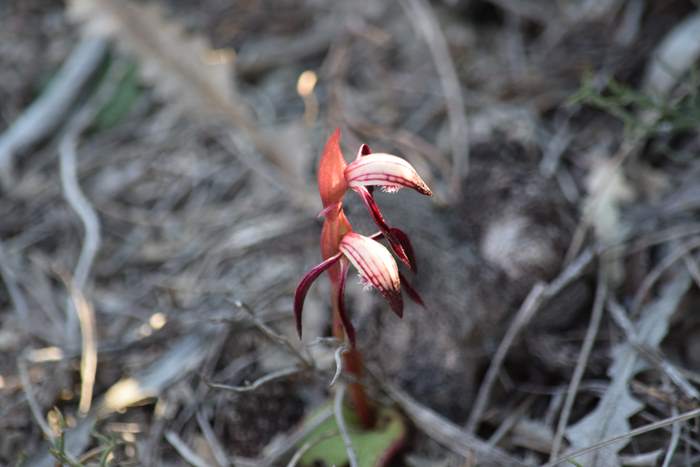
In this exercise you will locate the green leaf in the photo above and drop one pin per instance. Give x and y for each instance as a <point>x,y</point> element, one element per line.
<point>120,103</point>
<point>373,447</point>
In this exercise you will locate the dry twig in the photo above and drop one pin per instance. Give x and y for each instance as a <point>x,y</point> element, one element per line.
<point>631,434</point>
<point>582,361</point>
<point>539,294</point>
<point>448,434</point>
<point>275,375</point>
<point>51,108</point>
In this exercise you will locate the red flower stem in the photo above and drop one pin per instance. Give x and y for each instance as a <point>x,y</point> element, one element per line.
<point>352,362</point>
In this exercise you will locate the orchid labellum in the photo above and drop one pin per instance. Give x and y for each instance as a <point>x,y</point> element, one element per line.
<point>342,247</point>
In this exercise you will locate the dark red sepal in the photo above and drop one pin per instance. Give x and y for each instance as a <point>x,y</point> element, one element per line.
<point>410,291</point>
<point>405,242</point>
<point>304,285</point>
<point>395,301</point>
<point>389,232</point>
<point>344,318</point>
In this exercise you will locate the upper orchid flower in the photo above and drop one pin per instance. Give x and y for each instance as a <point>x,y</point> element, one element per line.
<point>340,246</point>
<point>389,172</point>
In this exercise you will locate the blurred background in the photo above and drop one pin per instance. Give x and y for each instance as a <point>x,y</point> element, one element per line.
<point>158,207</point>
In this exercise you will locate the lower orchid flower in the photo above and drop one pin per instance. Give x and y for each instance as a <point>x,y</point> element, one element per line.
<point>377,269</point>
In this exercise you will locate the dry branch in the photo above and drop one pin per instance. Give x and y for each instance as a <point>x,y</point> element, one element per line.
<point>51,108</point>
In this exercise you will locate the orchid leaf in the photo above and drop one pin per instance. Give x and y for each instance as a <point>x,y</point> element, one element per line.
<point>374,447</point>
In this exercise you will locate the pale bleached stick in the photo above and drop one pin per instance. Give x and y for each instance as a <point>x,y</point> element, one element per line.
<point>51,108</point>
<point>589,339</point>
<point>631,434</point>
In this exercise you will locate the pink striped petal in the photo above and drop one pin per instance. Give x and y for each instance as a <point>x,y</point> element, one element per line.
<point>305,283</point>
<point>387,171</point>
<point>376,266</point>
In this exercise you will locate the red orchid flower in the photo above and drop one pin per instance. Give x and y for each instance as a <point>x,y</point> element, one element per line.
<point>341,246</point>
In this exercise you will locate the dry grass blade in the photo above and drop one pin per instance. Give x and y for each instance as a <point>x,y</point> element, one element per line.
<point>591,333</point>
<point>610,417</point>
<point>88,359</point>
<point>31,399</point>
<point>652,356</point>
<point>539,294</point>
<point>448,434</point>
<point>214,444</point>
<point>673,444</point>
<point>623,437</point>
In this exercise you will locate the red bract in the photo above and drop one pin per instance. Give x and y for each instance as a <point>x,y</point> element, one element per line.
<point>340,246</point>
<point>331,173</point>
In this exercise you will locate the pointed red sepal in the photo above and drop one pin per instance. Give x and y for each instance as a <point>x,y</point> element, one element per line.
<point>363,151</point>
<point>331,172</point>
<point>344,318</point>
<point>405,242</point>
<point>410,291</point>
<point>395,302</point>
<point>305,283</point>
<point>376,267</point>
<point>396,242</point>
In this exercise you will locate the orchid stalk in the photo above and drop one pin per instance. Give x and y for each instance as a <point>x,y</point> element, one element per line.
<point>342,247</point>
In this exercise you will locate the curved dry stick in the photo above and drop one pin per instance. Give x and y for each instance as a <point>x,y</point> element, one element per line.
<point>275,375</point>
<point>48,111</point>
<point>338,363</point>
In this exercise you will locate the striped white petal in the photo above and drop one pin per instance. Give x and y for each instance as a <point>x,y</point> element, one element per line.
<point>384,170</point>
<point>376,266</point>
